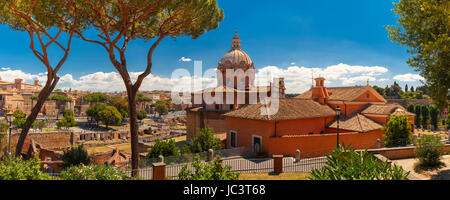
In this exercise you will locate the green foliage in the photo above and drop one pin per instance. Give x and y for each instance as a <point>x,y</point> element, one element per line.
<point>110,116</point>
<point>4,128</point>
<point>448,122</point>
<point>347,164</point>
<point>34,97</point>
<point>164,148</point>
<point>429,150</point>
<point>425,115</point>
<point>13,168</point>
<point>141,98</point>
<point>96,97</point>
<point>397,131</point>
<point>423,27</point>
<point>213,170</point>
<point>418,117</point>
<point>410,108</point>
<point>204,140</point>
<point>121,105</point>
<point>418,94</point>
<point>434,114</point>
<point>161,107</point>
<point>76,156</point>
<point>58,97</point>
<point>19,118</point>
<point>94,110</point>
<point>39,124</point>
<point>67,121</point>
<point>93,172</point>
<point>141,114</point>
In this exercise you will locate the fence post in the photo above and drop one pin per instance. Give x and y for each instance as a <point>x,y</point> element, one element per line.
<point>278,164</point>
<point>161,158</point>
<point>414,139</point>
<point>210,155</point>
<point>378,143</point>
<point>159,171</point>
<point>297,155</point>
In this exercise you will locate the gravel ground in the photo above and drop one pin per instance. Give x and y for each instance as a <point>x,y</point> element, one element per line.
<point>440,174</point>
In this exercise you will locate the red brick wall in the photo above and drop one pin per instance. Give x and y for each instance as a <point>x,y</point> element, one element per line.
<point>51,141</point>
<point>215,120</point>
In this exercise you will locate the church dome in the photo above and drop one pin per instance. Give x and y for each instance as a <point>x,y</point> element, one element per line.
<point>236,55</point>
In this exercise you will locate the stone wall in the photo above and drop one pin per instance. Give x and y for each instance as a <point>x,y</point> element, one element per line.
<point>196,119</point>
<point>50,141</point>
<point>401,152</point>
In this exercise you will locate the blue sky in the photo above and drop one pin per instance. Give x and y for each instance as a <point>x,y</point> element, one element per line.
<point>281,34</point>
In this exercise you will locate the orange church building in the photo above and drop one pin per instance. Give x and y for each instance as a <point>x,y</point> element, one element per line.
<point>308,122</point>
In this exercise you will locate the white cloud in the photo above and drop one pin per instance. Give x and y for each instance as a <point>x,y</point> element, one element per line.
<point>409,77</point>
<point>292,63</point>
<point>185,59</point>
<point>297,79</point>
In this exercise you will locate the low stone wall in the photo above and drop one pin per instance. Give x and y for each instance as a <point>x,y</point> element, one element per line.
<point>400,152</point>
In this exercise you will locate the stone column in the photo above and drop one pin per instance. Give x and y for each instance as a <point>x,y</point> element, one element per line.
<point>378,143</point>
<point>278,164</point>
<point>159,171</point>
<point>297,155</point>
<point>210,154</point>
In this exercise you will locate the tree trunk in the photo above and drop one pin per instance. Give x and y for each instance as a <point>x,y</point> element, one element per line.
<point>133,131</point>
<point>43,95</point>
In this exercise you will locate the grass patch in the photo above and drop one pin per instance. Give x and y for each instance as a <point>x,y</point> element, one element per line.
<point>282,176</point>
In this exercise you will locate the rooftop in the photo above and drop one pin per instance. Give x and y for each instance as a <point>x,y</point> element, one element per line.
<point>358,123</point>
<point>288,109</point>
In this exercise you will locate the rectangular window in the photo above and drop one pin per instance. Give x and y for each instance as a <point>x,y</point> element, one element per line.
<point>233,139</point>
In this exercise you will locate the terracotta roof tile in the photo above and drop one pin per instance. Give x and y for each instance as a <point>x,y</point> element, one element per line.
<point>358,123</point>
<point>288,109</point>
<point>339,93</point>
<point>382,109</point>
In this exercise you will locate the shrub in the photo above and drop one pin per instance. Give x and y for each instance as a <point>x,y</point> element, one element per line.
<point>204,140</point>
<point>425,115</point>
<point>347,164</point>
<point>397,131</point>
<point>164,148</point>
<point>93,172</point>
<point>428,151</point>
<point>141,114</point>
<point>19,118</point>
<point>434,117</point>
<point>213,170</point>
<point>110,116</point>
<point>13,168</point>
<point>76,156</point>
<point>418,117</point>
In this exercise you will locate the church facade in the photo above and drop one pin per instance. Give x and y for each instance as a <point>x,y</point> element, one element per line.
<point>235,88</point>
